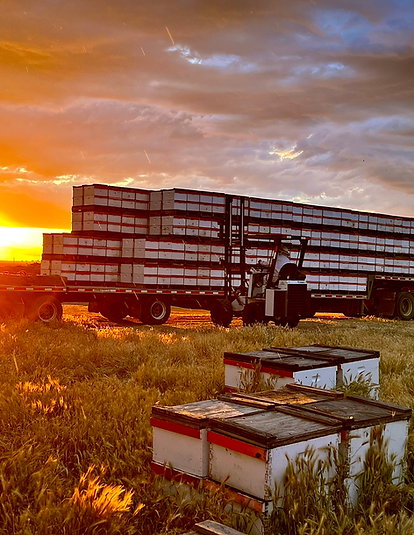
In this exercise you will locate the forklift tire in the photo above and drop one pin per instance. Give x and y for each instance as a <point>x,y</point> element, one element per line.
<point>404,306</point>
<point>46,309</point>
<point>253,313</point>
<point>221,313</point>
<point>155,311</point>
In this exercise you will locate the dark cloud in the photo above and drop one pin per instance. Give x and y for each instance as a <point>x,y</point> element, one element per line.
<point>305,100</point>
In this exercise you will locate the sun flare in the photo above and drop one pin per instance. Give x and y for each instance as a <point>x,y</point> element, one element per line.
<point>22,244</point>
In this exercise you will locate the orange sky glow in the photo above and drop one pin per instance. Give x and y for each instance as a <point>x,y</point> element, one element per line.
<point>22,244</point>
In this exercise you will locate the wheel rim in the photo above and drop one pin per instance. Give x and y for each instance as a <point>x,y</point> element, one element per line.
<point>406,307</point>
<point>47,312</point>
<point>158,310</point>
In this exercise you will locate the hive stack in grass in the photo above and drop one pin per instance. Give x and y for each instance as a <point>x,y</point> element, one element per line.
<point>316,365</point>
<point>249,453</point>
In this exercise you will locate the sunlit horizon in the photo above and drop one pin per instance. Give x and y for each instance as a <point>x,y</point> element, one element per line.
<point>22,244</point>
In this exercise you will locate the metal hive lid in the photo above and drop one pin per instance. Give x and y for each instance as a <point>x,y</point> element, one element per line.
<point>356,412</point>
<point>278,360</point>
<point>199,413</point>
<point>278,427</point>
<point>339,354</point>
<point>290,394</point>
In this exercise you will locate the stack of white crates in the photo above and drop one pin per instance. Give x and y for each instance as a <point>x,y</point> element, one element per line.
<point>186,228</point>
<point>168,239</point>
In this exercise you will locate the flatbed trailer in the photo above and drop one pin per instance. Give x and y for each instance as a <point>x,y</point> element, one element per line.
<point>137,252</point>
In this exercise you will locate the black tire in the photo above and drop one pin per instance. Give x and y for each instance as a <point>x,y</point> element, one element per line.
<point>404,306</point>
<point>253,313</point>
<point>114,311</point>
<point>221,313</point>
<point>293,321</point>
<point>155,311</point>
<point>46,309</point>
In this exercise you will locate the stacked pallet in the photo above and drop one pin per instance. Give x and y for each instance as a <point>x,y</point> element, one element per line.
<point>187,226</point>
<point>148,239</point>
<point>209,445</point>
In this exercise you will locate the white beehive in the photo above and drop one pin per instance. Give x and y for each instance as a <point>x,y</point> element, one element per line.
<point>352,364</point>
<point>251,453</point>
<point>180,433</point>
<point>276,369</point>
<point>362,420</point>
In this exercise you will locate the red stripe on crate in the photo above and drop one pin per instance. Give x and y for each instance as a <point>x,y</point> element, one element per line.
<point>175,428</point>
<point>237,445</point>
<point>233,495</point>
<point>174,475</point>
<point>264,369</point>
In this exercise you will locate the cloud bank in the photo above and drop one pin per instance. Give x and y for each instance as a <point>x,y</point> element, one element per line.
<point>304,100</point>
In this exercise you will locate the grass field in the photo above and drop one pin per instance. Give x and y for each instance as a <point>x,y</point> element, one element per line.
<point>75,437</point>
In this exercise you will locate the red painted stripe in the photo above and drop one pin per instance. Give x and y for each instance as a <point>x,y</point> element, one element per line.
<point>264,369</point>
<point>233,495</point>
<point>174,475</point>
<point>175,428</point>
<point>237,445</point>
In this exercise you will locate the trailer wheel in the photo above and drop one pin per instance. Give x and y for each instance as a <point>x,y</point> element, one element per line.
<point>404,307</point>
<point>155,311</point>
<point>46,309</point>
<point>253,313</point>
<point>221,313</point>
<point>293,321</point>
<point>114,311</point>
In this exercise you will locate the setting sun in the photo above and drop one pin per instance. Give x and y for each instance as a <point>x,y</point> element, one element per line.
<point>22,243</point>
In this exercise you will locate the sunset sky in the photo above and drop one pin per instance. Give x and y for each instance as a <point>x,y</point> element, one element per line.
<point>306,100</point>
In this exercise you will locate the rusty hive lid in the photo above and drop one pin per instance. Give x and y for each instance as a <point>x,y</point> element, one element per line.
<point>290,394</point>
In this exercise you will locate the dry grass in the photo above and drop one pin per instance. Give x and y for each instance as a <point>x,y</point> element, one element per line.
<point>75,403</point>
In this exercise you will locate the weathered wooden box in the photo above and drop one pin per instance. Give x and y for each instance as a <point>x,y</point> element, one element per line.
<point>250,453</point>
<point>273,369</point>
<point>180,433</point>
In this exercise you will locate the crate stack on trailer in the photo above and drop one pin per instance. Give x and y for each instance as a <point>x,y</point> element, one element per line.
<point>173,237</point>
<point>189,241</point>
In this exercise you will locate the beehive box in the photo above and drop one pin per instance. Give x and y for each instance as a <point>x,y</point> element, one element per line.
<point>180,433</point>
<point>250,453</point>
<point>351,364</point>
<point>276,369</point>
<point>364,420</point>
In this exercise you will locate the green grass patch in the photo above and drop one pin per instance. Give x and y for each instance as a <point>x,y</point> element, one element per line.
<point>75,435</point>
